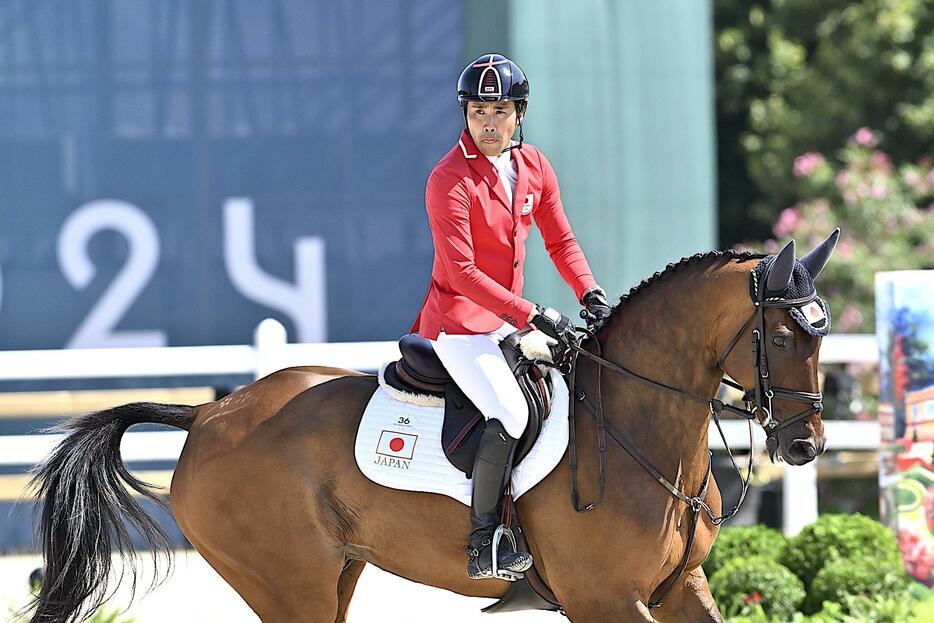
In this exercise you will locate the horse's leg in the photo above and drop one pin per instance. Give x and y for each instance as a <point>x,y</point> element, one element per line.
<point>249,506</point>
<point>260,537</point>
<point>345,587</point>
<point>690,600</point>
<point>312,592</point>
<point>598,610</point>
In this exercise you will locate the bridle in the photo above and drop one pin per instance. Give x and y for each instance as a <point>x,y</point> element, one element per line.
<point>759,399</point>
<point>758,409</point>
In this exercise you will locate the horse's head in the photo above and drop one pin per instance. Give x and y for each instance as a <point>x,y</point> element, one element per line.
<point>779,373</point>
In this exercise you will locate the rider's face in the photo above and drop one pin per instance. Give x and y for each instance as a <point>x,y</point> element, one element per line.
<point>491,125</point>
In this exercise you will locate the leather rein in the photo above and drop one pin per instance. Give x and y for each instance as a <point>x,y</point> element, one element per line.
<point>758,409</point>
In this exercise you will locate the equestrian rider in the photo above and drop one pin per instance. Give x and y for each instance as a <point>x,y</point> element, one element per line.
<point>481,199</point>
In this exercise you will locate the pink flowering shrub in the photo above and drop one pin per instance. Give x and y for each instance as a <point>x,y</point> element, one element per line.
<point>885,211</point>
<point>806,164</point>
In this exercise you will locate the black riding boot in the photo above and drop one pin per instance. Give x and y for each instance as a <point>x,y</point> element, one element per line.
<point>491,471</point>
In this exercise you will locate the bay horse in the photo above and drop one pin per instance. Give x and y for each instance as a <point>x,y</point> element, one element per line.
<point>268,492</point>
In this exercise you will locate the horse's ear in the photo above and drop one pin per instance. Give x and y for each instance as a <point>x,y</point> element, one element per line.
<point>782,267</point>
<point>817,257</point>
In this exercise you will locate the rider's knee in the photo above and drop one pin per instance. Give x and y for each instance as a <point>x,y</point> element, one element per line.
<point>514,417</point>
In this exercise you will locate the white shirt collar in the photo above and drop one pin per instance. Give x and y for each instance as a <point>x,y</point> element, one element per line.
<point>501,161</point>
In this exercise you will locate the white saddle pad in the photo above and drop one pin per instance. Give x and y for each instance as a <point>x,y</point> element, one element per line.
<point>399,446</point>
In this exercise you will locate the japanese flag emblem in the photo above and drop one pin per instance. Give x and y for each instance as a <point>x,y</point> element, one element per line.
<point>813,312</point>
<point>398,445</point>
<point>527,204</point>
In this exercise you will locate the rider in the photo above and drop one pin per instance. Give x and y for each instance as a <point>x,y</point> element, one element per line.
<point>481,199</point>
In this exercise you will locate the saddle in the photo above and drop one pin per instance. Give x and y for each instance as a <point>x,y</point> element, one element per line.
<point>420,371</point>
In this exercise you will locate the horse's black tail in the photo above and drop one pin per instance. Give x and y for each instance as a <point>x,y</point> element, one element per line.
<point>84,505</point>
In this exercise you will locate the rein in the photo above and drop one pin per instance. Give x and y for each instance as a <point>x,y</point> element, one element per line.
<point>758,409</point>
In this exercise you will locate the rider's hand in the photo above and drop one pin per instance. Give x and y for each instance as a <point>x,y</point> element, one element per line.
<point>554,324</point>
<point>598,309</point>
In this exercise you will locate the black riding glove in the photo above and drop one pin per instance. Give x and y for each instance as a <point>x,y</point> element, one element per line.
<point>554,324</point>
<point>598,309</point>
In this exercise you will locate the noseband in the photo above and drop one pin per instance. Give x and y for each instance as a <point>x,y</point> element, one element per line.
<point>758,409</point>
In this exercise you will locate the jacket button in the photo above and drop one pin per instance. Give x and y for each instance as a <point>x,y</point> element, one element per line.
<point>503,316</point>
<point>515,264</point>
<point>515,232</point>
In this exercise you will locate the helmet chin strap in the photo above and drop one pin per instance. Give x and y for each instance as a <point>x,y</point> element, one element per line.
<point>521,138</point>
<point>520,113</point>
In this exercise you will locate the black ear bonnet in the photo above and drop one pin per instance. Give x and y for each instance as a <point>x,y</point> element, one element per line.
<point>800,297</point>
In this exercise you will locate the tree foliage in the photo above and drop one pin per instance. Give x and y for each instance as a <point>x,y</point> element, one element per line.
<point>885,211</point>
<point>796,76</point>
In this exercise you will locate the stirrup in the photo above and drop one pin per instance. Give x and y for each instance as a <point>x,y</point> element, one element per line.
<point>494,570</point>
<point>503,574</point>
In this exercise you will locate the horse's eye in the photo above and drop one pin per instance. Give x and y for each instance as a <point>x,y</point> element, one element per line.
<point>779,341</point>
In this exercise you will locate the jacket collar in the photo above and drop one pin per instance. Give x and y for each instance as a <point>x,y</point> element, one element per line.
<point>468,147</point>
<point>482,167</point>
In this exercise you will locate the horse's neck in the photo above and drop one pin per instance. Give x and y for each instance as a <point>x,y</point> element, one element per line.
<point>665,334</point>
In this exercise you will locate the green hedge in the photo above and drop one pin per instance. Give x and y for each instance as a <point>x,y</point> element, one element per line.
<point>765,581</point>
<point>836,537</point>
<point>841,568</point>
<point>857,577</point>
<point>744,542</point>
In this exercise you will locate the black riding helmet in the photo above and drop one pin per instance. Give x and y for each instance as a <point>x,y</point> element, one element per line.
<point>494,78</point>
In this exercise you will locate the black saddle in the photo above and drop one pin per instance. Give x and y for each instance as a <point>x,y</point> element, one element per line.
<point>420,371</point>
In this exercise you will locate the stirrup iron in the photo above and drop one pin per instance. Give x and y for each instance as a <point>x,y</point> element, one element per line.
<point>503,574</point>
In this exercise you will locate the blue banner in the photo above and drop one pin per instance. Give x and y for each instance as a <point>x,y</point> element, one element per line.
<point>176,172</point>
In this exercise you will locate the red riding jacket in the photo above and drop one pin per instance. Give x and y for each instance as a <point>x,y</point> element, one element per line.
<point>476,277</point>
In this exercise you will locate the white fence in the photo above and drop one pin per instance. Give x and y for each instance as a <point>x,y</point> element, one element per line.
<point>270,352</point>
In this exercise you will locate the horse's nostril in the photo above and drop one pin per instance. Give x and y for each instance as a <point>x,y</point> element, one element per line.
<point>804,448</point>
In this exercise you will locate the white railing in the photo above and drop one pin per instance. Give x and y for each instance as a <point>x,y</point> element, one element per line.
<point>271,352</point>
<point>268,353</point>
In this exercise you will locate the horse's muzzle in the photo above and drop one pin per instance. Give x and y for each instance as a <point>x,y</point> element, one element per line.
<point>801,451</point>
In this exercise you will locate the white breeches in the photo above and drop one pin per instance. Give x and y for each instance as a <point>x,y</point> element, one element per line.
<point>477,365</point>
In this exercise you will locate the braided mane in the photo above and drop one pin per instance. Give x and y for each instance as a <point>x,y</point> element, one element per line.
<point>728,254</point>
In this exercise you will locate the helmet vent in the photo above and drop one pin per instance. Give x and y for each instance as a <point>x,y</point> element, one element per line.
<point>490,85</point>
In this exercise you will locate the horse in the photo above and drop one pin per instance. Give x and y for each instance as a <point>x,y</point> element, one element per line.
<point>268,492</point>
